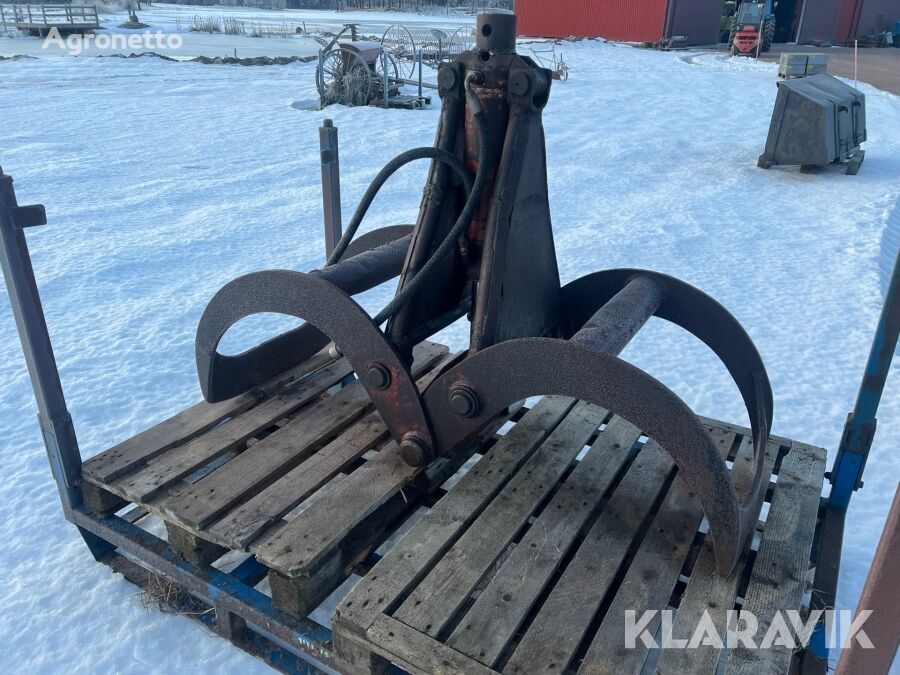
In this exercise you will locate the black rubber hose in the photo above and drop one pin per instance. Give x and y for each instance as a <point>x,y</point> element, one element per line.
<point>465,217</point>
<point>378,182</point>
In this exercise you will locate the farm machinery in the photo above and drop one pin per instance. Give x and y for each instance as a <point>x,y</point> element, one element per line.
<point>483,248</point>
<point>370,71</point>
<point>752,28</point>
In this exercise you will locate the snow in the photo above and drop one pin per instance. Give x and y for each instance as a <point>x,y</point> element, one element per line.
<point>163,181</point>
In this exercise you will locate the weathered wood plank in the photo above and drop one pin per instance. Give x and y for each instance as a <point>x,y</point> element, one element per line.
<point>302,545</point>
<point>259,466</point>
<point>438,598</point>
<point>741,430</point>
<point>304,541</point>
<point>99,501</point>
<point>408,560</point>
<point>503,605</point>
<point>708,592</point>
<point>651,576</point>
<point>352,658</point>
<point>301,593</point>
<point>179,462</point>
<point>550,642</point>
<point>180,428</point>
<point>418,653</point>
<point>192,548</point>
<point>779,576</point>
<point>243,525</point>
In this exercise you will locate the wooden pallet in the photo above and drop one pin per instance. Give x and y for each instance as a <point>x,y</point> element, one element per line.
<point>233,477</point>
<point>529,563</point>
<point>567,517</point>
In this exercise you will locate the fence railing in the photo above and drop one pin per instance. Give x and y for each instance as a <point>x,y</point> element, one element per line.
<point>19,15</point>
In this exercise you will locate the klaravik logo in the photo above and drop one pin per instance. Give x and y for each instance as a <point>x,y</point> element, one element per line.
<point>744,630</point>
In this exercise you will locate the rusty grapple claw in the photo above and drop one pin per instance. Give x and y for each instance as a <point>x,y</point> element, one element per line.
<point>483,247</point>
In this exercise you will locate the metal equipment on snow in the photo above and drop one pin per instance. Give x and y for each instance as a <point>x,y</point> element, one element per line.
<point>817,120</point>
<point>483,248</point>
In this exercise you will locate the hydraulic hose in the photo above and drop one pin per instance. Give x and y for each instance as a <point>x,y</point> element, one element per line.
<point>465,217</point>
<point>378,182</point>
<point>474,189</point>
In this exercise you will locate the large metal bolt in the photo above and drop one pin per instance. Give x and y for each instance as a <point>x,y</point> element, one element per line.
<point>447,77</point>
<point>413,450</point>
<point>519,84</point>
<point>464,401</point>
<point>378,376</point>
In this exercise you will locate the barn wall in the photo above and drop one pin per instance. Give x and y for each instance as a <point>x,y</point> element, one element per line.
<point>874,16</point>
<point>698,20</point>
<point>611,19</point>
<point>820,21</point>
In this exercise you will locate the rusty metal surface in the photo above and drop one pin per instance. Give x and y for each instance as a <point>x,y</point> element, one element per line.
<point>223,376</point>
<point>616,303</point>
<point>336,315</point>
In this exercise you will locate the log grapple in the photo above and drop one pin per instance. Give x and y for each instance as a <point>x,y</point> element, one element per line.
<point>483,248</point>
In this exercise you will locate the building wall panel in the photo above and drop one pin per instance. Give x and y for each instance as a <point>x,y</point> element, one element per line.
<point>874,16</point>
<point>820,21</point>
<point>698,20</point>
<point>627,21</point>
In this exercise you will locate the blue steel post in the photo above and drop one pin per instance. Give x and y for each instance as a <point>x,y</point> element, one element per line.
<point>846,473</point>
<point>850,461</point>
<point>53,415</point>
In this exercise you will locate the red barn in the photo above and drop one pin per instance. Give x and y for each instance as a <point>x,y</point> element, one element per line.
<point>626,21</point>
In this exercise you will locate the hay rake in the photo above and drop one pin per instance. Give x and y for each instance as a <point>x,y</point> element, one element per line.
<point>483,248</point>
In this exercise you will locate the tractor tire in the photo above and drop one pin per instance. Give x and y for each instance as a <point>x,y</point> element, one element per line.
<point>731,34</point>
<point>768,34</point>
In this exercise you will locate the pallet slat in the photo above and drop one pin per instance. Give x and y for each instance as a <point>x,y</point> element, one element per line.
<point>651,576</point>
<point>438,529</point>
<point>779,575</point>
<point>178,463</point>
<point>442,593</point>
<point>501,608</point>
<point>707,591</point>
<point>551,641</point>
<point>180,428</point>
<point>278,453</point>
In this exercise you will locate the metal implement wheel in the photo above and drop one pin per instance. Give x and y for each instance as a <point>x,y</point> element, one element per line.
<point>457,43</point>
<point>399,42</point>
<point>393,74</point>
<point>343,77</point>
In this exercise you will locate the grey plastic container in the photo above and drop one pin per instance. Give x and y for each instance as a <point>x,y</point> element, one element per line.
<point>817,120</point>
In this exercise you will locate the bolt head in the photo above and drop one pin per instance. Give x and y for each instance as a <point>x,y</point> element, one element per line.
<point>378,376</point>
<point>464,401</point>
<point>413,450</point>
<point>447,77</point>
<point>519,83</point>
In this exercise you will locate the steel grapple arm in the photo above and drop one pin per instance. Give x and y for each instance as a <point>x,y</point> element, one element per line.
<point>483,247</point>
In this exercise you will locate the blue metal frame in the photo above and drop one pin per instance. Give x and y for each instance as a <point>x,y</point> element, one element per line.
<point>243,615</point>
<point>850,462</point>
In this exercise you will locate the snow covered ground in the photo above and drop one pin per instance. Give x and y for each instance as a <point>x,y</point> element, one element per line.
<point>163,181</point>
